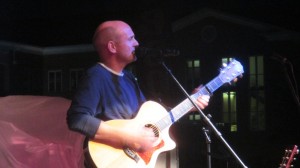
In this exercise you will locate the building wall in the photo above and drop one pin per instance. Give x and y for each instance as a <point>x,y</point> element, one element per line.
<point>65,63</point>
<point>5,63</point>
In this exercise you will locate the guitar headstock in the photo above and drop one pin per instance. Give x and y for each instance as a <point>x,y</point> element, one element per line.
<point>289,157</point>
<point>231,71</point>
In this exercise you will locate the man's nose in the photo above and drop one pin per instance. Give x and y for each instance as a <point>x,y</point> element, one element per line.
<point>136,43</point>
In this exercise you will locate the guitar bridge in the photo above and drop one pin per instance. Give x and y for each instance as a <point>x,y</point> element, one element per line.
<point>130,153</point>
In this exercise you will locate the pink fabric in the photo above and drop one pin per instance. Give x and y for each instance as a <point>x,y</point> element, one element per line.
<point>34,133</point>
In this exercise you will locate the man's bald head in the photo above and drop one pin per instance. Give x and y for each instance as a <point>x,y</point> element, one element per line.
<point>107,31</point>
<point>115,43</point>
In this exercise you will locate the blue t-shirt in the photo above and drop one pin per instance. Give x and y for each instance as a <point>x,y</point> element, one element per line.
<point>103,95</point>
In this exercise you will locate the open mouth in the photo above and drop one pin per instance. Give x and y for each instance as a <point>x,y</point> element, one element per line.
<point>134,53</point>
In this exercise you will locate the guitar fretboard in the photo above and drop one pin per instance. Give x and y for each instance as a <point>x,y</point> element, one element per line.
<point>185,106</point>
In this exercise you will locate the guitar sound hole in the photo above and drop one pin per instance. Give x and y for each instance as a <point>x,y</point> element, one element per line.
<point>154,128</point>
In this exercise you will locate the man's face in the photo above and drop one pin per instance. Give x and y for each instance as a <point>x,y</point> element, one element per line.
<point>126,45</point>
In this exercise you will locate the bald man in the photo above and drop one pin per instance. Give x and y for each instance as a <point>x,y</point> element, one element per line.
<point>108,92</point>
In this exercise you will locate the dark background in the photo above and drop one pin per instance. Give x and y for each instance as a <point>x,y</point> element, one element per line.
<point>61,22</point>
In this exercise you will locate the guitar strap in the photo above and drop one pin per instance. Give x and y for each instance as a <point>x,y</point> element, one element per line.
<point>88,161</point>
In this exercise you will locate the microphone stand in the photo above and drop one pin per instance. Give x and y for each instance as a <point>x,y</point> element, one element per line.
<point>205,118</point>
<point>208,142</point>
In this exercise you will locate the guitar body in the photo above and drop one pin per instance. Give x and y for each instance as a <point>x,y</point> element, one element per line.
<point>106,156</point>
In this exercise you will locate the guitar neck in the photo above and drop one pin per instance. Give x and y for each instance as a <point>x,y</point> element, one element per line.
<point>230,72</point>
<point>289,157</point>
<point>185,106</point>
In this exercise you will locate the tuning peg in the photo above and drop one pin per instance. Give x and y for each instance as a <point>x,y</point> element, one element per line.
<point>224,65</point>
<point>282,165</point>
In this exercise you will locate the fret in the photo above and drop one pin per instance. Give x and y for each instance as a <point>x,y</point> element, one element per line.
<point>210,87</point>
<point>214,84</point>
<point>166,121</point>
<point>182,108</point>
<point>218,82</point>
<point>185,106</point>
<point>203,91</point>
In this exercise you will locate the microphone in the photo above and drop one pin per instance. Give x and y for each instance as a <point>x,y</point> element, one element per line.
<point>279,58</point>
<point>156,53</point>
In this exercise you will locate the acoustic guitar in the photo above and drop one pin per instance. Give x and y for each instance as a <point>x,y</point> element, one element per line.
<point>155,116</point>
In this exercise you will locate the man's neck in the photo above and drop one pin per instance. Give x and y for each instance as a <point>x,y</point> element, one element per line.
<point>112,69</point>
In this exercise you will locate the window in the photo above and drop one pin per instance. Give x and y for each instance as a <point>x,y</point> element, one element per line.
<point>75,75</point>
<point>193,81</point>
<point>257,96</point>
<point>193,73</point>
<point>256,69</point>
<point>194,117</point>
<point>55,81</point>
<point>226,60</point>
<point>229,110</point>
<point>229,115</point>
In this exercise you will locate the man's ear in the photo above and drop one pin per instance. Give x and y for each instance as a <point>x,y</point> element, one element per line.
<point>112,46</point>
